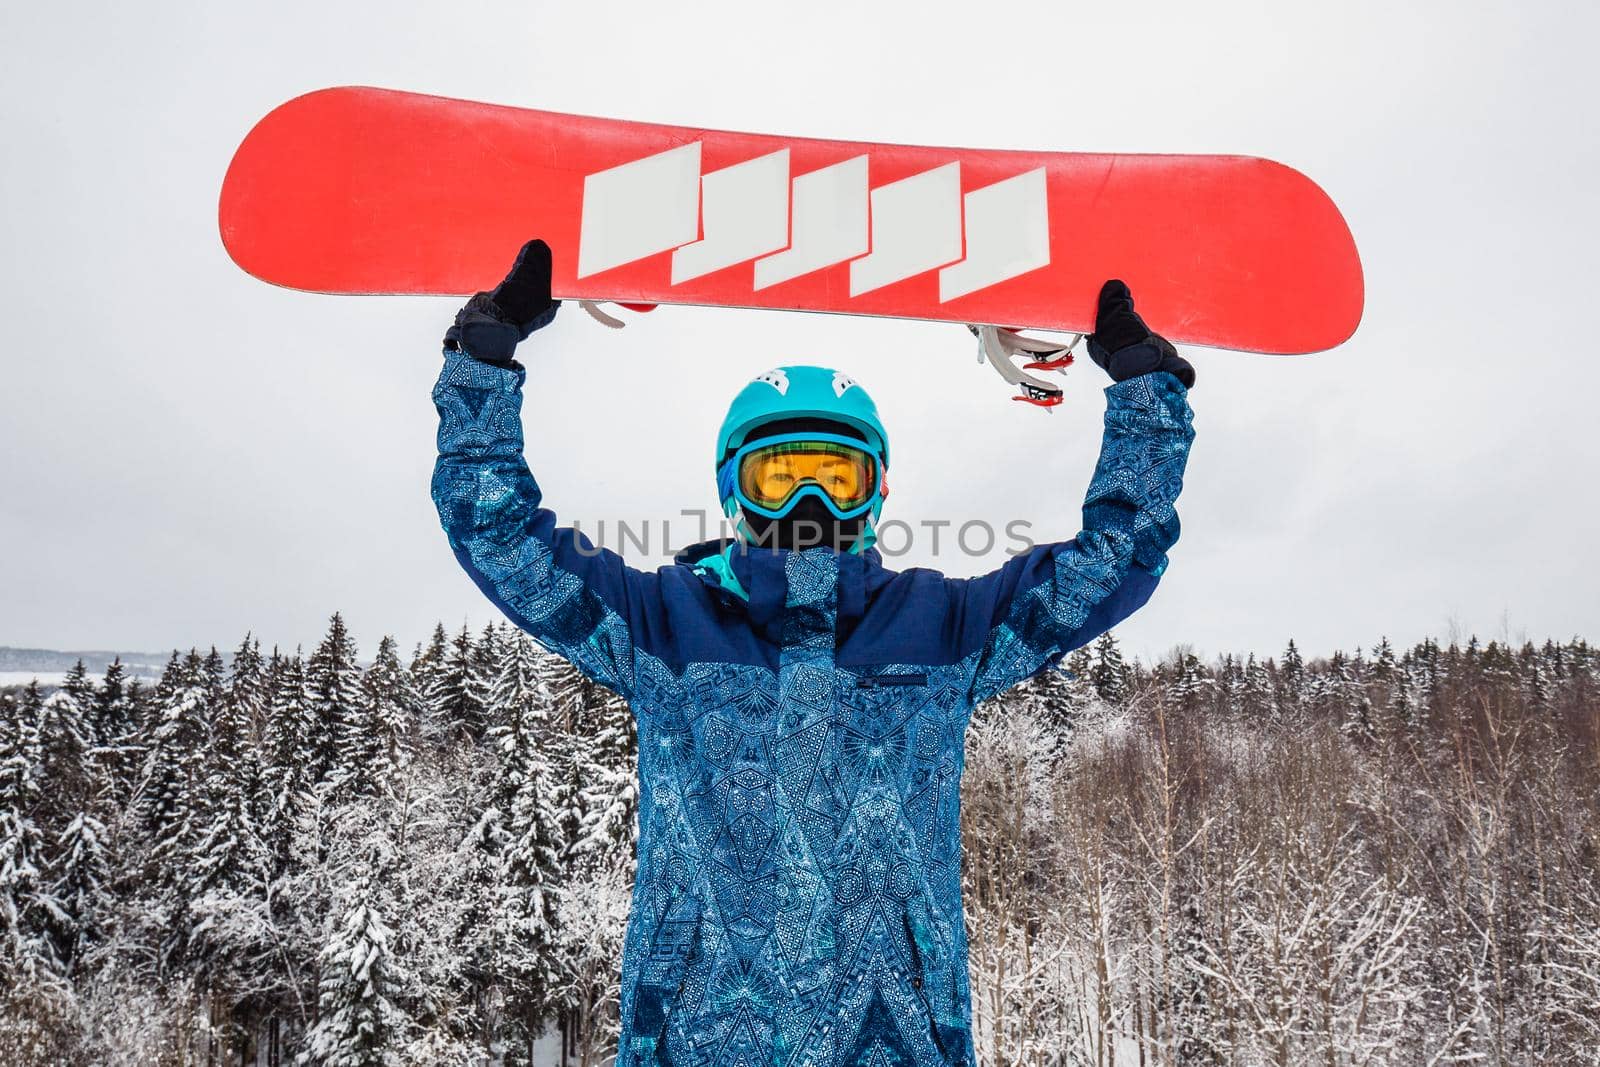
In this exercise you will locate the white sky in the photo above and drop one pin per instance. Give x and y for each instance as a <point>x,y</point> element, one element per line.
<point>187,453</point>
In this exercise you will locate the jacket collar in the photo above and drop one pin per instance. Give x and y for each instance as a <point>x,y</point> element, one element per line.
<point>757,584</point>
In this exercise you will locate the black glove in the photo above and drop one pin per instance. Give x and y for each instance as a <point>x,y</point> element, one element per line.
<point>1124,346</point>
<point>490,326</point>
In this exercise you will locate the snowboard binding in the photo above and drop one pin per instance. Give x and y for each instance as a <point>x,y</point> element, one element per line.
<point>998,344</point>
<point>606,319</point>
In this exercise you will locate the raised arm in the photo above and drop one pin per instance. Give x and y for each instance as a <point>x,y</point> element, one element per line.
<point>548,579</point>
<point>1057,597</point>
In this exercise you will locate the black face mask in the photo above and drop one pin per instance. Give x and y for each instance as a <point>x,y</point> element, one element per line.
<point>807,525</point>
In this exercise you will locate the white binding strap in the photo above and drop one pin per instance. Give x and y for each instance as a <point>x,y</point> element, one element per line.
<point>593,308</point>
<point>998,345</point>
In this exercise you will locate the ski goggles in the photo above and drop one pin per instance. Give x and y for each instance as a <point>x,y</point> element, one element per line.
<point>768,475</point>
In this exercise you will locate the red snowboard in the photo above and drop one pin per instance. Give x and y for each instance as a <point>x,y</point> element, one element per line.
<point>360,190</point>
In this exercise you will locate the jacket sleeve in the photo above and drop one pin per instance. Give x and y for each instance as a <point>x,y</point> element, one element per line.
<point>1056,597</point>
<point>548,579</point>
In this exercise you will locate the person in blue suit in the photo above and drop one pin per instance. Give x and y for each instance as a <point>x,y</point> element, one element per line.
<point>801,708</point>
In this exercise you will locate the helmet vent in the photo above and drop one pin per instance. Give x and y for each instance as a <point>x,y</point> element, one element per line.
<point>780,381</point>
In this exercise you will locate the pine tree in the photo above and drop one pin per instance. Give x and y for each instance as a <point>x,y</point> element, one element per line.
<point>215,673</point>
<point>1554,658</point>
<point>1110,673</point>
<point>611,796</point>
<point>571,763</point>
<point>78,707</point>
<point>1078,687</point>
<point>229,856</point>
<point>1226,685</point>
<point>176,739</point>
<point>530,860</point>
<point>1055,695</point>
<point>79,870</point>
<point>1428,659</point>
<point>1499,668</point>
<point>173,805</point>
<point>1291,681</point>
<point>377,745</point>
<point>428,668</point>
<point>476,931</point>
<point>1401,714</point>
<point>1343,698</point>
<point>358,1024</point>
<point>1190,685</point>
<point>484,675</point>
<point>287,740</point>
<point>233,945</point>
<point>115,730</point>
<point>70,820</point>
<point>111,711</point>
<point>1257,698</point>
<point>596,786</point>
<point>333,680</point>
<point>141,703</point>
<point>436,653</point>
<point>247,686</point>
<point>453,699</point>
<point>25,909</point>
<point>1538,683</point>
<point>66,731</point>
<point>1383,661</point>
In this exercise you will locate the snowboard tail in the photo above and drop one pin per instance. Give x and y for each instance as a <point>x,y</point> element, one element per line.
<point>360,190</point>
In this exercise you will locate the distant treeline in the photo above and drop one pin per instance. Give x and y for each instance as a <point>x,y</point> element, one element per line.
<point>1374,858</point>
<point>48,661</point>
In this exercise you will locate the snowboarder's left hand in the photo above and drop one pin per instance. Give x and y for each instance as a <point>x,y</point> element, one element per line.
<point>1125,347</point>
<point>490,326</point>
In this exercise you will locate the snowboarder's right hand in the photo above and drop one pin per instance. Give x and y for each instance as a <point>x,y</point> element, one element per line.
<point>489,327</point>
<point>1125,347</point>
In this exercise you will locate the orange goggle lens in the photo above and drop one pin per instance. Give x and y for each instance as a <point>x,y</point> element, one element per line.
<point>770,475</point>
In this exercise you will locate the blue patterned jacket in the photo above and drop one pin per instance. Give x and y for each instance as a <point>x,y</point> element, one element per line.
<point>798,897</point>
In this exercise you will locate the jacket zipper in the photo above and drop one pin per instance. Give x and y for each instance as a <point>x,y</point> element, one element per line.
<point>917,984</point>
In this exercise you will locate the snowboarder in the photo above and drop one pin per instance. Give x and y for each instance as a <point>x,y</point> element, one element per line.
<point>800,707</point>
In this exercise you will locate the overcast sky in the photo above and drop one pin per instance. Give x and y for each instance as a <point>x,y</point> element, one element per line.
<point>187,453</point>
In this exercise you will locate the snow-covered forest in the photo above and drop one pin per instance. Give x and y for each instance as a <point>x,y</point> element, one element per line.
<point>1383,857</point>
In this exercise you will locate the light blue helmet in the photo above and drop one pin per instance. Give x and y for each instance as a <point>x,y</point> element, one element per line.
<point>800,393</point>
